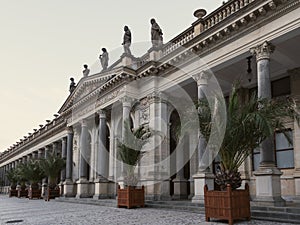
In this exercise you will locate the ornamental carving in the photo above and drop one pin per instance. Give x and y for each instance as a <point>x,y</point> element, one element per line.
<point>103,99</point>
<point>144,114</point>
<point>263,51</point>
<point>202,77</point>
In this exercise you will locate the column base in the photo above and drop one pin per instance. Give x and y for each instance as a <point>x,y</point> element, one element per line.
<point>101,189</point>
<point>200,180</point>
<point>61,188</point>
<point>192,189</point>
<point>83,188</point>
<point>268,187</point>
<point>68,191</point>
<point>180,189</point>
<point>297,185</point>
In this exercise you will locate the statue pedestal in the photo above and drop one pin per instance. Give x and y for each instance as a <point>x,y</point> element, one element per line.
<point>127,59</point>
<point>155,53</point>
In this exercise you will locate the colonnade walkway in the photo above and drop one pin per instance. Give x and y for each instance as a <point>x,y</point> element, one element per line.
<point>38,212</point>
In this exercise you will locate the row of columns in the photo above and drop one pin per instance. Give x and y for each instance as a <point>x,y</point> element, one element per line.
<point>268,187</point>
<point>39,154</point>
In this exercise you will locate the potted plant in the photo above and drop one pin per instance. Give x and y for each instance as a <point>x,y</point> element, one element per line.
<point>21,176</point>
<point>51,167</point>
<point>33,174</point>
<point>12,178</point>
<point>248,124</point>
<point>130,152</point>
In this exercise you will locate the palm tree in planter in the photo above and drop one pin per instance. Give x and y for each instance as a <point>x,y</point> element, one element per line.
<point>130,153</point>
<point>12,177</point>
<point>22,179</point>
<point>248,124</point>
<point>34,174</point>
<point>51,167</point>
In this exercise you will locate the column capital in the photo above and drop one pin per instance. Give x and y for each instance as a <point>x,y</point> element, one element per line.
<point>263,51</point>
<point>202,77</point>
<point>84,123</point>
<point>69,130</point>
<point>101,113</point>
<point>126,100</point>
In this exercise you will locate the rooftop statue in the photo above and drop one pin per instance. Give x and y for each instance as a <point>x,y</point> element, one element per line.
<point>104,59</point>
<point>86,70</point>
<point>156,34</point>
<point>127,40</point>
<point>72,85</point>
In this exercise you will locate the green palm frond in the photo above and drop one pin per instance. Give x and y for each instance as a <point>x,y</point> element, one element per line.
<point>51,166</point>
<point>249,123</point>
<point>12,176</point>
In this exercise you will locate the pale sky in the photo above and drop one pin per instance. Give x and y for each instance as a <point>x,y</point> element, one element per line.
<point>45,42</point>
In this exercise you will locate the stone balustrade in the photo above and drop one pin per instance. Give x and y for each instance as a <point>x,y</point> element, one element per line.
<point>17,148</point>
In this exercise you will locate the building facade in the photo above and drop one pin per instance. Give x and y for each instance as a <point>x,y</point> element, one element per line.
<point>155,89</point>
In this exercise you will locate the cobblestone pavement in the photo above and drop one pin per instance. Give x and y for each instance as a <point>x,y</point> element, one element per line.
<point>39,212</point>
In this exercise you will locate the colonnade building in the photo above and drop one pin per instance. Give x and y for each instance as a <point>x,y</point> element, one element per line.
<point>152,90</point>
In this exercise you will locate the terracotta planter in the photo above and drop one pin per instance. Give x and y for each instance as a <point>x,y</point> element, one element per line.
<point>51,193</point>
<point>22,192</point>
<point>13,192</point>
<point>131,197</point>
<point>229,205</point>
<point>34,192</point>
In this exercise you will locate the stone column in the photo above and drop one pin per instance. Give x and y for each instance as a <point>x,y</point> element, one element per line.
<point>101,183</point>
<point>47,152</point>
<point>40,153</point>
<point>268,186</point>
<point>180,183</point>
<point>29,156</point>
<point>34,155</point>
<point>63,171</point>
<point>1,179</point>
<point>126,104</point>
<point>68,184</point>
<point>45,180</point>
<point>55,149</point>
<point>295,91</point>
<point>6,168</point>
<point>203,176</point>
<point>157,175</point>
<point>83,183</point>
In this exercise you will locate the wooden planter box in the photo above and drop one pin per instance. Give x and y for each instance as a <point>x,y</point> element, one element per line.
<point>34,193</point>
<point>229,205</point>
<point>131,197</point>
<point>13,193</point>
<point>22,193</point>
<point>51,193</point>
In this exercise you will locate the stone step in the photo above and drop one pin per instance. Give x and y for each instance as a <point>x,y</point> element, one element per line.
<point>101,202</point>
<point>280,214</point>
